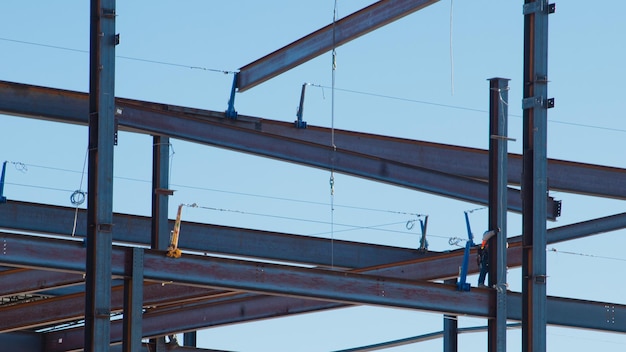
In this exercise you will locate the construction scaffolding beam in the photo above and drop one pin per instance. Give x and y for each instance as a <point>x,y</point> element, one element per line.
<point>325,39</point>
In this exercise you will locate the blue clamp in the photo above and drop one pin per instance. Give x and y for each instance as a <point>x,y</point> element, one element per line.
<point>463,285</point>
<point>299,123</point>
<point>230,111</point>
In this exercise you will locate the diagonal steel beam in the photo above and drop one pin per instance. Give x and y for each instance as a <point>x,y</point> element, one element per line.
<point>70,107</point>
<point>324,39</point>
<point>199,129</point>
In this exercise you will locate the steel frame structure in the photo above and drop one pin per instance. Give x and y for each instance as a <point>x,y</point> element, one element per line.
<point>208,291</point>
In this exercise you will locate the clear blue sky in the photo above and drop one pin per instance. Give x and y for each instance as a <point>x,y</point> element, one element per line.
<point>45,43</point>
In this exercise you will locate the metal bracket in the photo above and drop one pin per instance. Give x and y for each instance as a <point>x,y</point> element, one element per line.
<point>299,123</point>
<point>230,111</point>
<point>540,279</point>
<point>423,242</point>
<point>105,227</point>
<point>108,13</point>
<point>538,6</point>
<point>557,208</point>
<point>115,129</point>
<point>534,102</point>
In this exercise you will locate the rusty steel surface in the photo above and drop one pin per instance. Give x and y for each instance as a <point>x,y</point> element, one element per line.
<point>567,176</point>
<point>324,39</point>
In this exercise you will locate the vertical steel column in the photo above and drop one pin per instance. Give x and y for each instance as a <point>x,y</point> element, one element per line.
<point>133,303</point>
<point>498,166</point>
<point>100,175</point>
<point>450,327</point>
<point>534,174</point>
<point>160,193</point>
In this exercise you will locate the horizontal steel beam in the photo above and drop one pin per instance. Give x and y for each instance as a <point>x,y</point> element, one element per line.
<point>208,127</point>
<point>51,219</point>
<point>417,270</point>
<point>27,341</point>
<point>239,275</point>
<point>445,265</point>
<point>62,309</point>
<point>561,312</point>
<point>27,281</point>
<point>290,248</point>
<point>324,39</point>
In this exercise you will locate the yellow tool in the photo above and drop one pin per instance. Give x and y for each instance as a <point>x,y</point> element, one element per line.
<point>172,250</point>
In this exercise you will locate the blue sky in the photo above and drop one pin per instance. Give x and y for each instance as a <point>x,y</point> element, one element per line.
<point>428,97</point>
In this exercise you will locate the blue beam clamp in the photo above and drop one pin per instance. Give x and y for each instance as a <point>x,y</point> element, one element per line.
<point>463,285</point>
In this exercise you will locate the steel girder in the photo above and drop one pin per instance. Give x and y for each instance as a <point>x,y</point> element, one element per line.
<point>26,281</point>
<point>71,107</point>
<point>415,270</point>
<point>232,274</point>
<point>325,39</point>
<point>209,128</point>
<point>58,220</point>
<point>100,174</point>
<point>248,307</point>
<point>288,248</point>
<point>67,308</point>
<point>424,269</point>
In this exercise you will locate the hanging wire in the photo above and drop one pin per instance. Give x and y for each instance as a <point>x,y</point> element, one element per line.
<point>554,250</point>
<point>19,166</point>
<point>78,197</point>
<point>475,209</point>
<point>451,51</point>
<point>332,140</point>
<point>119,56</point>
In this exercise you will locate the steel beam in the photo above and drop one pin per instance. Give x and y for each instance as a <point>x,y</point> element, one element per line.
<point>300,248</point>
<point>498,139</point>
<point>55,254</point>
<point>27,281</point>
<point>292,150</point>
<point>450,327</point>
<point>566,176</point>
<point>100,174</point>
<point>133,302</point>
<point>535,106</point>
<point>226,240</point>
<point>446,264</point>
<point>160,192</point>
<point>319,156</point>
<point>325,39</point>
<point>67,308</point>
<point>246,308</point>
<point>27,341</point>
